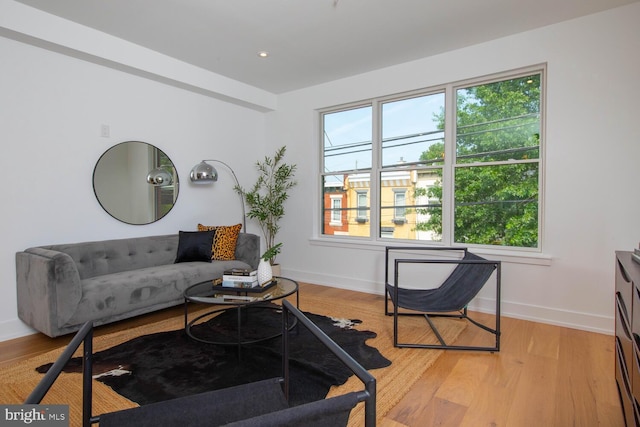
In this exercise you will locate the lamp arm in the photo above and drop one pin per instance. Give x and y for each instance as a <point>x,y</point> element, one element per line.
<point>244,215</point>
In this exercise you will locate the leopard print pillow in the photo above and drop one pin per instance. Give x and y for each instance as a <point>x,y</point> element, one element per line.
<point>224,242</point>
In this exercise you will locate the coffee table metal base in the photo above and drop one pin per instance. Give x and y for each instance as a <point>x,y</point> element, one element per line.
<point>239,300</point>
<point>241,312</point>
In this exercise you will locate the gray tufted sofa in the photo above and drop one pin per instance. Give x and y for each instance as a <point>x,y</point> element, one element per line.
<point>60,287</point>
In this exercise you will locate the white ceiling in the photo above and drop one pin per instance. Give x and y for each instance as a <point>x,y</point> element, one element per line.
<point>312,41</point>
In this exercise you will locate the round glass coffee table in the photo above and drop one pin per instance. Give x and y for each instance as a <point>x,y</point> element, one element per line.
<point>245,302</point>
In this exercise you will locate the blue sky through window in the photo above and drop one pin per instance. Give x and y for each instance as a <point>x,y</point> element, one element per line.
<point>409,127</point>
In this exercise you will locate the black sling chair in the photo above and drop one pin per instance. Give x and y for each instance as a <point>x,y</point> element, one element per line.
<point>257,404</point>
<point>450,299</point>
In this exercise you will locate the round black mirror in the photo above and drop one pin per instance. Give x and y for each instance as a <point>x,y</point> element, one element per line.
<point>135,182</point>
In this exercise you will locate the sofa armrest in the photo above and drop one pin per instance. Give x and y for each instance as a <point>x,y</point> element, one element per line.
<point>48,289</point>
<point>248,249</point>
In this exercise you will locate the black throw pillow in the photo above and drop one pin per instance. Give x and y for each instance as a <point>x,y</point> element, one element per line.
<point>195,246</point>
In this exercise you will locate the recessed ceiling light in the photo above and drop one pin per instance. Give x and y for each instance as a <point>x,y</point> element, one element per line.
<point>263,54</point>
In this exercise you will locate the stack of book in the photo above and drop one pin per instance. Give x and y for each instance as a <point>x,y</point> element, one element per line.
<point>239,278</point>
<point>636,255</point>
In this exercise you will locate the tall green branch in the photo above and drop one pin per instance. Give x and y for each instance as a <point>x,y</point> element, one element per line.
<point>267,197</point>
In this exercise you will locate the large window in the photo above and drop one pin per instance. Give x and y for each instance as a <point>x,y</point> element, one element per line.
<point>458,163</point>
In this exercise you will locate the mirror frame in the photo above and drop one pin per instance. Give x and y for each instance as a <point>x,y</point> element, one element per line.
<point>121,186</point>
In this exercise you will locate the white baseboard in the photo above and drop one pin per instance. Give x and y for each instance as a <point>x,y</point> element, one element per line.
<point>349,283</point>
<point>553,316</point>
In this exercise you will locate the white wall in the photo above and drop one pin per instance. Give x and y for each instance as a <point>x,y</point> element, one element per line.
<point>52,107</point>
<point>592,202</point>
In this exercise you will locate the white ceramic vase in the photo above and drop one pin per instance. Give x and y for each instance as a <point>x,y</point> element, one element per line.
<point>265,273</point>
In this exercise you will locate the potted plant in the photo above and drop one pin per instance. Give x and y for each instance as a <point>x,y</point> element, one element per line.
<point>266,198</point>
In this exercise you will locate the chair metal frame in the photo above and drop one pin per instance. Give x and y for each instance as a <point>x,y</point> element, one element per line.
<point>462,314</point>
<point>85,336</point>
<point>367,395</point>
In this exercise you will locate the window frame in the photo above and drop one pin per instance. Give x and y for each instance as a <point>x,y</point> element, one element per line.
<point>448,167</point>
<point>336,211</point>
<point>399,211</point>
<point>362,209</point>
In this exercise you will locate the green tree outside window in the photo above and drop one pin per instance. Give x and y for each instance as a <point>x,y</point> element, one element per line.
<point>496,168</point>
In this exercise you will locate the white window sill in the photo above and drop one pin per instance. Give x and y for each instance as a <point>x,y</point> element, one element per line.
<point>505,255</point>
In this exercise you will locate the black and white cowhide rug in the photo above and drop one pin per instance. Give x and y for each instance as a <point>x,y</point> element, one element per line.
<point>166,365</point>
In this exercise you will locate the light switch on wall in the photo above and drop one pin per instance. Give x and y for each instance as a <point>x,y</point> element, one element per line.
<point>104,131</point>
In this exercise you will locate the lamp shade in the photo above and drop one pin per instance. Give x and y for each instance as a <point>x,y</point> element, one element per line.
<point>203,173</point>
<point>159,176</point>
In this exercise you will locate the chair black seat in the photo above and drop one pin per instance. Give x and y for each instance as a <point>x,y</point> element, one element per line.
<point>261,403</point>
<point>462,285</point>
<point>213,408</point>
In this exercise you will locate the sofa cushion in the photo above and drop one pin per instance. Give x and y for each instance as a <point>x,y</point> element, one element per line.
<point>195,246</point>
<point>224,242</point>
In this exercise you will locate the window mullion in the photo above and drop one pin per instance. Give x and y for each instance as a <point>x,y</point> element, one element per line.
<point>448,171</point>
<point>376,162</point>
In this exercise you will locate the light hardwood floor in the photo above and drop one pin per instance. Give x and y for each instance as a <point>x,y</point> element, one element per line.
<point>543,375</point>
